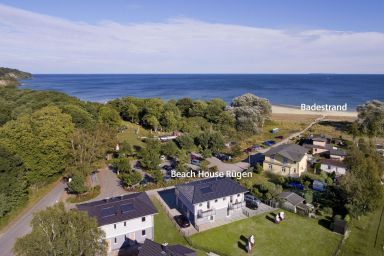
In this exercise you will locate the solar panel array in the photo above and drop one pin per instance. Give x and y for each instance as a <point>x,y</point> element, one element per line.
<point>206,190</point>
<point>108,212</point>
<point>125,208</point>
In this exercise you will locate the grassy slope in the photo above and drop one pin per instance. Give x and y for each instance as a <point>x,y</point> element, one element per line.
<point>361,240</point>
<point>296,235</point>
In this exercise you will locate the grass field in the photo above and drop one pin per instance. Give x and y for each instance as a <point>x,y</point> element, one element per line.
<point>295,236</point>
<point>132,134</point>
<point>165,231</point>
<point>366,235</point>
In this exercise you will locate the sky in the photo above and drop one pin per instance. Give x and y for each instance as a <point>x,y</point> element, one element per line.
<point>210,36</point>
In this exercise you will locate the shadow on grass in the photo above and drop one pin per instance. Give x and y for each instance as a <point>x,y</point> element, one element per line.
<point>242,244</point>
<point>326,223</point>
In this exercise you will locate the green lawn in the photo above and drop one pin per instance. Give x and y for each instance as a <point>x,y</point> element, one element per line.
<point>165,231</point>
<point>295,236</point>
<point>362,237</point>
<point>132,134</point>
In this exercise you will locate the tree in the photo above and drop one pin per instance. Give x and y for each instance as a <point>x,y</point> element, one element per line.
<point>169,121</point>
<point>130,178</point>
<point>88,147</point>
<point>13,185</point>
<point>169,149</point>
<point>157,176</point>
<point>132,112</point>
<point>56,231</point>
<point>150,155</point>
<point>371,118</point>
<point>109,116</point>
<point>185,142</point>
<point>185,105</point>
<point>250,112</point>
<point>122,165</point>
<point>152,122</point>
<point>42,140</point>
<point>77,185</point>
<point>308,196</point>
<point>361,184</point>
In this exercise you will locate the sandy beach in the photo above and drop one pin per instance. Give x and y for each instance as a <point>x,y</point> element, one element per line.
<point>298,111</point>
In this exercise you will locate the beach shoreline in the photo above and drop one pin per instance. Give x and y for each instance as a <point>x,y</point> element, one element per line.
<point>278,109</point>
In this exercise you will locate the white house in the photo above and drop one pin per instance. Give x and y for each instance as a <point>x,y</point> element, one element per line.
<point>208,200</point>
<point>126,219</point>
<point>331,165</point>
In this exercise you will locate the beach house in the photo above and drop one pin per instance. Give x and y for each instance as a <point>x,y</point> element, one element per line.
<point>287,159</point>
<point>208,200</point>
<point>126,220</point>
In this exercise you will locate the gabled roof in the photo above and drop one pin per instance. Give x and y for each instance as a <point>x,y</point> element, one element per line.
<point>291,151</point>
<point>150,248</point>
<point>291,197</point>
<point>337,152</point>
<point>333,162</point>
<point>121,208</point>
<point>209,189</point>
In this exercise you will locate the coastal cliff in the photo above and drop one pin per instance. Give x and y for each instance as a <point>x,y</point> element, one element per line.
<point>11,77</point>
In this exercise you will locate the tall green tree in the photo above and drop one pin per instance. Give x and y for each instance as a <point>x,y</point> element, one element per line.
<point>13,185</point>
<point>150,155</point>
<point>42,140</point>
<point>58,232</point>
<point>109,116</point>
<point>371,118</point>
<point>361,184</point>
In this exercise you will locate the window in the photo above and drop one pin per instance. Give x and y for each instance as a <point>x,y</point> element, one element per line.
<point>329,167</point>
<point>143,219</point>
<point>211,217</point>
<point>270,167</point>
<point>143,232</point>
<point>285,160</point>
<point>115,240</point>
<point>283,170</point>
<point>216,201</point>
<point>238,195</point>
<point>224,198</point>
<point>200,204</point>
<point>208,205</point>
<point>114,225</point>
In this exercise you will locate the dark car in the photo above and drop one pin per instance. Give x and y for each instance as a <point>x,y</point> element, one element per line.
<point>269,143</point>
<point>279,137</point>
<point>182,221</point>
<point>251,201</point>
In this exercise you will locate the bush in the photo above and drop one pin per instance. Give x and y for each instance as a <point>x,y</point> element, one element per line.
<point>258,169</point>
<point>328,211</point>
<point>347,218</point>
<point>77,186</point>
<point>308,195</point>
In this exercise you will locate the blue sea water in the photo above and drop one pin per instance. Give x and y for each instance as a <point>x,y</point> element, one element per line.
<point>290,90</point>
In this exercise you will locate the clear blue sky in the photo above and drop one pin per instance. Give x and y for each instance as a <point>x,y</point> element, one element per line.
<point>354,15</point>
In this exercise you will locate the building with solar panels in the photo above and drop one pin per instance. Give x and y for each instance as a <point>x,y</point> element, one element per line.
<point>126,220</point>
<point>208,200</point>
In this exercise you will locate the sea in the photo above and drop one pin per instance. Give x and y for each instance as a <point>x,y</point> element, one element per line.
<point>280,89</point>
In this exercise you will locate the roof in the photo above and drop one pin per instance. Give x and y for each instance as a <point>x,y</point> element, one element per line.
<point>311,146</point>
<point>209,189</point>
<point>333,162</point>
<point>337,152</point>
<point>291,197</point>
<point>319,139</point>
<point>150,248</point>
<point>121,208</point>
<point>291,151</point>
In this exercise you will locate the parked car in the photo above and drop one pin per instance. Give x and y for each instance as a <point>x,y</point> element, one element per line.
<point>251,201</point>
<point>223,157</point>
<point>256,147</point>
<point>279,137</point>
<point>182,221</point>
<point>269,143</point>
<point>248,150</point>
<point>167,167</point>
<point>195,162</point>
<point>275,130</point>
<point>167,178</point>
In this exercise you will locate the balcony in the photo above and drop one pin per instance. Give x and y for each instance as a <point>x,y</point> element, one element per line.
<point>207,213</point>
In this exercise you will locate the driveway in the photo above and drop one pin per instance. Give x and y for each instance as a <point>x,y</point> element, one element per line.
<point>110,184</point>
<point>21,226</point>
<point>224,167</point>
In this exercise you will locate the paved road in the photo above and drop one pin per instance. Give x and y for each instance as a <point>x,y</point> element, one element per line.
<point>21,226</point>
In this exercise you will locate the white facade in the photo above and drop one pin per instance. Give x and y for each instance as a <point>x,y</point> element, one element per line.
<point>129,232</point>
<point>211,210</point>
<point>333,168</point>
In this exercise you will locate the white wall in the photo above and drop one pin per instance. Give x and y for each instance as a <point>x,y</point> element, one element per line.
<point>332,168</point>
<point>221,203</point>
<point>131,226</point>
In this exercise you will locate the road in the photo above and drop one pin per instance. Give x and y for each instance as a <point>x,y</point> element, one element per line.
<point>21,226</point>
